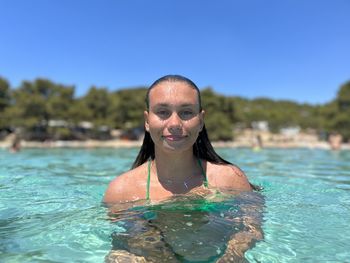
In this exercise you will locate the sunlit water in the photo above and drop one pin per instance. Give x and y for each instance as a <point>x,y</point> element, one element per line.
<point>50,204</point>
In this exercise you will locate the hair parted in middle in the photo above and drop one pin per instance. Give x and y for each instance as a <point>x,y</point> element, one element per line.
<point>202,148</point>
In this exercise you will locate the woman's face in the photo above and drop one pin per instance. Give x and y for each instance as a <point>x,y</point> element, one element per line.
<point>174,119</point>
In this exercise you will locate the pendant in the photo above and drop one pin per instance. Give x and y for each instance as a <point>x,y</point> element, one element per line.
<point>185,185</point>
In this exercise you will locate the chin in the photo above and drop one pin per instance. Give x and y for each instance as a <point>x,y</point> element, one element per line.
<point>176,148</point>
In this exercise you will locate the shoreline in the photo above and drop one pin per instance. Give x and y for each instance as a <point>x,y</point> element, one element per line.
<point>134,144</point>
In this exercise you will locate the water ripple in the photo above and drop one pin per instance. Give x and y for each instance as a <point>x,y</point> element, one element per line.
<point>50,204</point>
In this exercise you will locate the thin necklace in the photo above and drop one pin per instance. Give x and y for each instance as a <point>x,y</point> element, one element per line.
<point>169,181</point>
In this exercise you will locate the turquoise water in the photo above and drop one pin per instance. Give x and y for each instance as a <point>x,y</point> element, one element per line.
<point>50,203</point>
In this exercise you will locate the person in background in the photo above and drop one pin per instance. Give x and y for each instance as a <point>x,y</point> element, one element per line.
<point>16,145</point>
<point>257,144</point>
<point>335,141</point>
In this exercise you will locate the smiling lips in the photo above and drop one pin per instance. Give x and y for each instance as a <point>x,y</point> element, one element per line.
<point>174,138</point>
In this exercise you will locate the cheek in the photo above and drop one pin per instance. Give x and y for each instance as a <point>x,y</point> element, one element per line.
<point>155,124</point>
<point>195,126</point>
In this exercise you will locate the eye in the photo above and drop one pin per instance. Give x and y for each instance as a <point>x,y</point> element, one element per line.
<point>163,113</point>
<point>186,114</point>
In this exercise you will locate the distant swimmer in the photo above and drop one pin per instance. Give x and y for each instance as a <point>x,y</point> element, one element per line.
<point>16,145</point>
<point>257,144</point>
<point>335,141</point>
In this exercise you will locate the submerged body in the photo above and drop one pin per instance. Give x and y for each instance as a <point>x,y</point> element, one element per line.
<point>187,228</point>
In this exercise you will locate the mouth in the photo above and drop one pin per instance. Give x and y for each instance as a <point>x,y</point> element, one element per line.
<point>174,138</point>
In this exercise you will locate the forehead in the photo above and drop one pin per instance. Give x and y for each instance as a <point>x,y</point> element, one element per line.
<point>169,92</point>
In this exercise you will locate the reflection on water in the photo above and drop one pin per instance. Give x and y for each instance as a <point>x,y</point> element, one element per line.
<point>186,228</point>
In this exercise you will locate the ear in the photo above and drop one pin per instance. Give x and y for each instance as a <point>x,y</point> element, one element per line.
<point>201,118</point>
<point>145,114</point>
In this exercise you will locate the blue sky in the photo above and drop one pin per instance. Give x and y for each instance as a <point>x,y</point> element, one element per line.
<point>293,49</point>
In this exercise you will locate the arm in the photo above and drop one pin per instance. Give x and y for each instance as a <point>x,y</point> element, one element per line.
<point>239,243</point>
<point>114,192</point>
<point>231,179</point>
<point>128,187</point>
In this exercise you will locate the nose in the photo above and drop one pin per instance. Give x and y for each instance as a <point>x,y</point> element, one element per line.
<point>174,122</point>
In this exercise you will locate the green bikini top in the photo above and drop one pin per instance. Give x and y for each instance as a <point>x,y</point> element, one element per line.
<point>205,180</point>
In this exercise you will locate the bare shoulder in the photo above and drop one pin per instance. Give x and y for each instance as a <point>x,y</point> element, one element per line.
<point>227,176</point>
<point>129,186</point>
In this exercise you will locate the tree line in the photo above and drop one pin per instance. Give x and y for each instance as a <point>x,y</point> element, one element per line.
<point>31,106</point>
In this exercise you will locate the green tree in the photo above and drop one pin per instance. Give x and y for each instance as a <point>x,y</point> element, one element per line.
<point>98,103</point>
<point>5,101</point>
<point>341,121</point>
<point>127,111</point>
<point>35,103</point>
<point>219,116</point>
<point>30,108</point>
<point>343,98</point>
<point>60,101</point>
<point>79,111</point>
<point>5,98</point>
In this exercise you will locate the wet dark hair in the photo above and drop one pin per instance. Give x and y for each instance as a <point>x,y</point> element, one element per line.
<point>202,148</point>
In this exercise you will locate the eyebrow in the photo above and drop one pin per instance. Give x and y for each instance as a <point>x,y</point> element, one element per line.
<point>182,105</point>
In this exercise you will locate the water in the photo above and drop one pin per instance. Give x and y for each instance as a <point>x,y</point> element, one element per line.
<point>50,204</point>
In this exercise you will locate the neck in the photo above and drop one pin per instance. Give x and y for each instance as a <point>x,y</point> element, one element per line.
<point>177,167</point>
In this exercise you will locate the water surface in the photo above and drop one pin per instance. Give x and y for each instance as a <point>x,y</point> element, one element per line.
<point>50,203</point>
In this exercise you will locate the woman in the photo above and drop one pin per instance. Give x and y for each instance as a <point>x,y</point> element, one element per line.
<point>176,156</point>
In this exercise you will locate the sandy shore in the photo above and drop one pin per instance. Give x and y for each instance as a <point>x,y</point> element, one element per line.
<point>76,144</point>
<point>130,144</point>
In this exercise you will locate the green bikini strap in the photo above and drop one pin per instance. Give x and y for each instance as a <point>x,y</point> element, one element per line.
<point>148,178</point>
<point>203,173</point>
